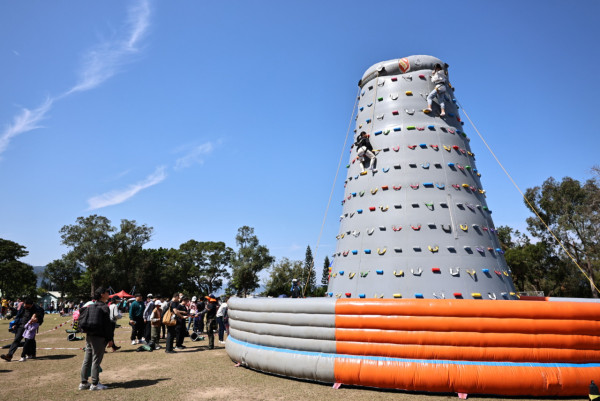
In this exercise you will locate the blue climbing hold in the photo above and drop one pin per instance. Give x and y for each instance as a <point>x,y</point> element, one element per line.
<point>379,271</point>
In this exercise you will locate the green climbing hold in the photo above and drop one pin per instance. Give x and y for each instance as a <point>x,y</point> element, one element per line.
<point>411,127</point>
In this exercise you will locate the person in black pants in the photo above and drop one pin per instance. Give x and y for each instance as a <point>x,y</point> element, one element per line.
<point>174,307</point>
<point>24,316</point>
<point>181,323</point>
<point>136,320</point>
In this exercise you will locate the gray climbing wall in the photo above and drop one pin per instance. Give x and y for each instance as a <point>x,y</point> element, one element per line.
<point>417,226</point>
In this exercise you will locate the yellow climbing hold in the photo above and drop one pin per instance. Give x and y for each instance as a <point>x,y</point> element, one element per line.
<point>409,93</point>
<point>464,227</point>
<point>397,295</point>
<point>399,273</point>
<point>363,173</point>
<point>433,249</point>
<point>381,251</point>
<point>351,275</point>
<point>476,295</point>
<point>374,191</point>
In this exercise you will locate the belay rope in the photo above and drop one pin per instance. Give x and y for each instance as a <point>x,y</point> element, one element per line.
<point>332,190</point>
<point>527,201</point>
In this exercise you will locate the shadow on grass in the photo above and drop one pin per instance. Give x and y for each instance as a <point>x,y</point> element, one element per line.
<point>54,357</point>
<point>136,383</point>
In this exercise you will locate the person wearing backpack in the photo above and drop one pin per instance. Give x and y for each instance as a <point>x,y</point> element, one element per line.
<point>174,308</point>
<point>24,315</point>
<point>94,320</point>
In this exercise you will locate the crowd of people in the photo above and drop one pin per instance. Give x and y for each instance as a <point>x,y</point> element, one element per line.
<point>152,320</point>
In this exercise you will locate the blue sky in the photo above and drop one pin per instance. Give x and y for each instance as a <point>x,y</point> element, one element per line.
<point>196,118</point>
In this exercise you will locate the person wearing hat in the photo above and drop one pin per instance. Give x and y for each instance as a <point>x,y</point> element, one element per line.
<point>193,312</point>
<point>210,310</point>
<point>155,323</point>
<point>296,290</point>
<point>150,299</point>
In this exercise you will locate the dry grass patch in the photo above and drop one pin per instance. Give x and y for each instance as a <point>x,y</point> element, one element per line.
<point>192,374</point>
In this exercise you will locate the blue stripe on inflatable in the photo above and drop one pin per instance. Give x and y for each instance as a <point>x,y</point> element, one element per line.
<point>430,361</point>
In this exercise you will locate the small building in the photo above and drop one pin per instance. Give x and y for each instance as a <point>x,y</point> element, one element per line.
<point>50,298</point>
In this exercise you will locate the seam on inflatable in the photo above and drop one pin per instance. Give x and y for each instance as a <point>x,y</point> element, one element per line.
<point>429,361</point>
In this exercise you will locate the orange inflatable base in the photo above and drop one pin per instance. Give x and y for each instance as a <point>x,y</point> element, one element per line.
<point>471,378</point>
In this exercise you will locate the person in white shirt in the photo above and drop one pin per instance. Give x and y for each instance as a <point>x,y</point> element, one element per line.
<point>439,78</point>
<point>222,317</point>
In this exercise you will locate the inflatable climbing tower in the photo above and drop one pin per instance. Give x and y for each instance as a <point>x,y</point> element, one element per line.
<point>416,224</point>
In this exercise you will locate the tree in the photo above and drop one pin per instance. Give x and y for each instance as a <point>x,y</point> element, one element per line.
<point>535,267</point>
<point>325,274</point>
<point>309,276</point>
<point>16,278</point>
<point>127,253</point>
<point>205,264</point>
<point>62,275</point>
<point>160,272</point>
<point>250,259</point>
<point>571,210</point>
<point>281,275</point>
<point>91,243</point>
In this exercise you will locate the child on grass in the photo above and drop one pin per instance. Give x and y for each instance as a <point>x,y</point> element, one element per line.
<point>31,329</point>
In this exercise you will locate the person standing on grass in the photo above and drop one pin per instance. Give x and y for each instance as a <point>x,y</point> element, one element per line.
<point>210,310</point>
<point>172,330</point>
<point>31,329</point>
<point>115,315</point>
<point>181,328</point>
<point>150,299</point>
<point>221,316</point>
<point>27,311</point>
<point>136,320</point>
<point>98,336</point>
<point>155,322</point>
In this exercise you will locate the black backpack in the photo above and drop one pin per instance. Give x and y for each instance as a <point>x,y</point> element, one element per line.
<point>87,322</point>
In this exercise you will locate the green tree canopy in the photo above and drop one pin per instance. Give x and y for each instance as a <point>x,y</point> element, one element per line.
<point>571,210</point>
<point>281,275</point>
<point>63,274</point>
<point>205,264</point>
<point>92,245</point>
<point>16,278</point>
<point>309,276</point>
<point>325,274</point>
<point>250,259</point>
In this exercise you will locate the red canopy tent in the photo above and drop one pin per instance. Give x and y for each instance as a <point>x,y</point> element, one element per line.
<point>121,294</point>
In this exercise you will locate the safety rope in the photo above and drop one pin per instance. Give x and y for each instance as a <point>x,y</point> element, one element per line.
<point>332,190</point>
<point>529,203</point>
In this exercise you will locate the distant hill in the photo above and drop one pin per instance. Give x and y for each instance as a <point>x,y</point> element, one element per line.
<point>39,272</point>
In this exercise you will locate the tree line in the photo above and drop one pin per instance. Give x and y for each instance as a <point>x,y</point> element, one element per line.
<point>100,254</point>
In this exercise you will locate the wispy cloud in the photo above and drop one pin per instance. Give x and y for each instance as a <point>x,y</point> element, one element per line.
<point>194,156</point>
<point>100,64</point>
<point>105,60</point>
<point>26,121</point>
<point>121,195</point>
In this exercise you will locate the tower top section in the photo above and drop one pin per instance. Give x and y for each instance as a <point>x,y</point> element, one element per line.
<point>399,66</point>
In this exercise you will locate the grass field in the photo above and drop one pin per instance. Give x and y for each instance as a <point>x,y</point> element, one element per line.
<point>195,373</point>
